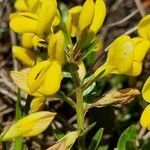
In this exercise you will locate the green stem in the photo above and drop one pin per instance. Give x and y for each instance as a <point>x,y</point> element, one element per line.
<point>80,116</point>
<point>18,145</point>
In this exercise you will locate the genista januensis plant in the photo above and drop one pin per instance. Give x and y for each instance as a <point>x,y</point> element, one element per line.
<point>54,44</point>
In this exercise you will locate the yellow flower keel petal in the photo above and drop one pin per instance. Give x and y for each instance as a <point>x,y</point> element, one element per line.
<point>28,126</point>
<point>145,118</point>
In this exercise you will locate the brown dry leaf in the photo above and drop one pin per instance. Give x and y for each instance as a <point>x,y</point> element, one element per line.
<point>123,96</point>
<point>61,145</point>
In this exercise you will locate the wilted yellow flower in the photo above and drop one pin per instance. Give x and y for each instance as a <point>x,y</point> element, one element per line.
<point>28,126</point>
<point>82,70</point>
<point>56,47</point>
<point>90,17</point>
<point>26,56</point>
<point>20,79</point>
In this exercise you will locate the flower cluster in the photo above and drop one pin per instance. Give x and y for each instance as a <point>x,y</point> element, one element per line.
<point>49,40</point>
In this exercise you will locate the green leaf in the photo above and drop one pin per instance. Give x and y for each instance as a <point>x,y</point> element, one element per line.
<point>96,139</point>
<point>71,67</point>
<point>58,134</point>
<point>128,135</point>
<point>131,145</point>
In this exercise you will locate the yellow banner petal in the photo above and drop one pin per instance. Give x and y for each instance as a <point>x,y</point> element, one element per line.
<point>60,45</point>
<point>87,14</point>
<point>141,47</point>
<point>21,5</point>
<point>23,24</point>
<point>121,54</point>
<point>37,104</point>
<point>36,76</point>
<point>144,27</point>
<point>52,80</point>
<point>47,13</point>
<point>28,126</point>
<point>26,56</point>
<point>99,16</point>
<point>72,21</point>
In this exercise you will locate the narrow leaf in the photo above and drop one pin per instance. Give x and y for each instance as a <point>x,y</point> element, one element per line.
<point>96,139</point>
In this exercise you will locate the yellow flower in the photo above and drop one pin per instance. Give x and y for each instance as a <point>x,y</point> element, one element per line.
<point>119,58</point>
<point>90,17</point>
<point>141,47</point>
<point>37,23</point>
<point>28,126</point>
<point>146,90</point>
<point>145,119</point>
<point>26,56</point>
<point>125,56</point>
<point>144,27</point>
<point>29,40</point>
<point>56,47</point>
<point>45,77</point>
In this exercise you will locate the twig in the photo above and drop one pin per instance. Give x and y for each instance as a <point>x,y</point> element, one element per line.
<point>141,133</point>
<point>13,39</point>
<point>123,19</point>
<point>146,136</point>
<point>140,7</point>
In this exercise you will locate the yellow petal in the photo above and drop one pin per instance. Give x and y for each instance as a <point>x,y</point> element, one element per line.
<point>52,80</point>
<point>144,27</point>
<point>26,40</point>
<point>28,126</point>
<point>23,24</point>
<point>26,56</point>
<point>21,5</point>
<point>37,41</point>
<point>141,47</point>
<point>34,5</point>
<point>136,69</point>
<point>146,90</point>
<point>46,16</point>
<point>145,119</point>
<point>56,47</point>
<point>60,45</point>
<point>20,79</point>
<point>73,20</point>
<point>99,16</point>
<point>81,71</point>
<point>36,76</point>
<point>121,53</point>
<point>87,14</point>
<point>52,46</point>
<point>56,20</point>
<point>37,104</point>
